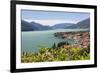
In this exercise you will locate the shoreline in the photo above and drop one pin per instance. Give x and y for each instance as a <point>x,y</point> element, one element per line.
<point>83,37</point>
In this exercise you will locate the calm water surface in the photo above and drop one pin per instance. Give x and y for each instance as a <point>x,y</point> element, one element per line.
<point>33,40</point>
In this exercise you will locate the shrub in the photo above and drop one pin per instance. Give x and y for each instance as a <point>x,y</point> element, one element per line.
<point>51,54</point>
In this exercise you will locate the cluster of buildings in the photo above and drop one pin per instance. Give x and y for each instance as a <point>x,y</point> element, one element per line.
<point>83,38</point>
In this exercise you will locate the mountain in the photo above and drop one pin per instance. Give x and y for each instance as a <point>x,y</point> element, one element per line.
<point>82,24</point>
<point>25,26</point>
<point>40,26</point>
<point>62,25</point>
<point>32,26</point>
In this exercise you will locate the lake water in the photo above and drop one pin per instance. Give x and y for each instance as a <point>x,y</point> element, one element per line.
<point>33,40</point>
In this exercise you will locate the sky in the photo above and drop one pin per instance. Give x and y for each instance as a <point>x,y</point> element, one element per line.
<point>52,17</point>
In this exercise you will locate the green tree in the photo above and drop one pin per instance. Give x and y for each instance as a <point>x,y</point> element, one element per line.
<point>54,46</point>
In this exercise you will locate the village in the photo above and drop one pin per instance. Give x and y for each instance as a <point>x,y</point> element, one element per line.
<point>83,39</point>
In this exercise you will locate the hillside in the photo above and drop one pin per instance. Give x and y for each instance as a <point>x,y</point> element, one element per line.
<point>82,24</point>
<point>62,25</point>
<point>33,26</point>
<point>25,26</point>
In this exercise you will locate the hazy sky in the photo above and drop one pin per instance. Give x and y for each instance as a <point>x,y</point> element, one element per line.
<point>52,18</point>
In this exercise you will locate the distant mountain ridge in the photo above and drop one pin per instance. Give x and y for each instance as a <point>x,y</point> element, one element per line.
<point>33,26</point>
<point>40,26</point>
<point>82,24</point>
<point>25,26</point>
<point>61,25</point>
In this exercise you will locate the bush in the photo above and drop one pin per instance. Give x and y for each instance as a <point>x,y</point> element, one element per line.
<point>50,54</point>
<point>56,53</point>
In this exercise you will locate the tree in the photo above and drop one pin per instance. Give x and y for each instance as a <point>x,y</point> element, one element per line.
<point>61,44</point>
<point>67,43</point>
<point>54,46</point>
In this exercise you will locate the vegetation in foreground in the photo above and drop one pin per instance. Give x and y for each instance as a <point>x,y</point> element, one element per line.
<point>56,53</point>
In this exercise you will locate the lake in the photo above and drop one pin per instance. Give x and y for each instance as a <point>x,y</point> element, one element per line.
<point>33,40</point>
